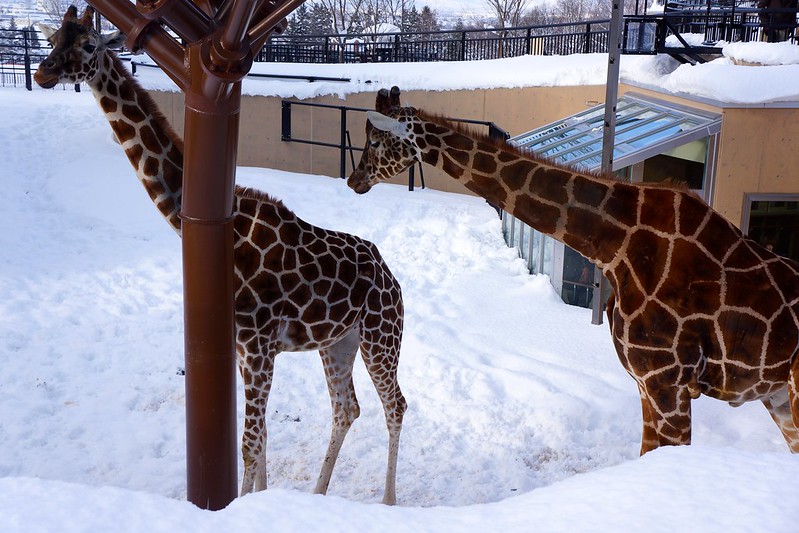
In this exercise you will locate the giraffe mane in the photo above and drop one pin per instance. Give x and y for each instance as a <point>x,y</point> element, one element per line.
<point>258,195</point>
<point>467,129</point>
<point>148,104</point>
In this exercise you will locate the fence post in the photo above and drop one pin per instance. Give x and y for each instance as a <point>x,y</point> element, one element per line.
<point>27,43</point>
<point>463,46</point>
<point>343,156</point>
<point>528,49</point>
<point>285,121</point>
<point>396,48</point>
<point>587,46</point>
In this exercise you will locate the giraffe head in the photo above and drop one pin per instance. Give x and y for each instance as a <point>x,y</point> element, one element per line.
<point>390,142</point>
<point>77,47</point>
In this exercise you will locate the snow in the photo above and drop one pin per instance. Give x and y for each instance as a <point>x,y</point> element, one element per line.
<point>763,53</point>
<point>520,416</point>
<point>720,79</point>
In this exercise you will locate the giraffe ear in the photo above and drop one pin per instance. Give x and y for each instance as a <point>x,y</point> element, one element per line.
<point>394,97</point>
<point>86,19</point>
<point>47,30</point>
<point>114,40</point>
<point>71,15</point>
<point>388,124</point>
<point>381,101</point>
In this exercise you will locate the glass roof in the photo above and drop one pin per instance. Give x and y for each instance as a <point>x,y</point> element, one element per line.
<point>644,128</point>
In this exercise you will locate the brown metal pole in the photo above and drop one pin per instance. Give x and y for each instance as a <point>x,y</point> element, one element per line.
<point>213,101</point>
<point>210,72</point>
<point>211,134</point>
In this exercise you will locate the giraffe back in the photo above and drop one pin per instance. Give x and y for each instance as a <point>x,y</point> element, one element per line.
<point>315,283</point>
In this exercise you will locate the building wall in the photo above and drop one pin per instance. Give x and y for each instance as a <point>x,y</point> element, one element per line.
<point>515,110</point>
<point>757,148</point>
<point>758,153</point>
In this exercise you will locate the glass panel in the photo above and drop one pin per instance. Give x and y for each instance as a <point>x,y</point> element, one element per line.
<point>640,125</point>
<point>549,247</point>
<point>775,225</point>
<point>578,278</point>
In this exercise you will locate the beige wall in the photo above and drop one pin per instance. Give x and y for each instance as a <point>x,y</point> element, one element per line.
<point>515,110</point>
<point>758,153</point>
<point>758,147</point>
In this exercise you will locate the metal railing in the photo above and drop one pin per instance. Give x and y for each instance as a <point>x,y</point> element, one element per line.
<point>19,50</point>
<point>716,20</point>
<point>719,20</point>
<point>561,39</point>
<point>344,142</point>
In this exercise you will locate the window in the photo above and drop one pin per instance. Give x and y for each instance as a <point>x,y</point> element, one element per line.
<point>773,221</point>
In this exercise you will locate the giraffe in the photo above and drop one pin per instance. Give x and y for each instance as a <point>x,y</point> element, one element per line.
<point>297,287</point>
<point>697,307</point>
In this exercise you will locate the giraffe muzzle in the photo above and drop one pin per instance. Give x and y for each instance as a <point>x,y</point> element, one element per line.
<point>45,80</point>
<point>358,183</point>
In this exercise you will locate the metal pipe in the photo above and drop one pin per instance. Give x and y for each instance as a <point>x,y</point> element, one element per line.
<point>266,26</point>
<point>235,28</point>
<point>185,17</point>
<point>609,129</point>
<point>142,33</point>
<point>211,138</point>
<point>212,84</point>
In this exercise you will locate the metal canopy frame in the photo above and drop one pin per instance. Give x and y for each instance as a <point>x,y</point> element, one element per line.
<point>644,127</point>
<point>221,37</point>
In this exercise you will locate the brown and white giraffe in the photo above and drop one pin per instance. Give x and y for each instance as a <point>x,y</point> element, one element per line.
<point>298,287</point>
<point>699,307</point>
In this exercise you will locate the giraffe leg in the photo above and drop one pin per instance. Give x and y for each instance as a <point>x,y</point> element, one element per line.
<point>793,395</point>
<point>253,441</point>
<point>666,414</point>
<point>338,360</point>
<point>649,437</point>
<point>381,361</point>
<point>780,406</point>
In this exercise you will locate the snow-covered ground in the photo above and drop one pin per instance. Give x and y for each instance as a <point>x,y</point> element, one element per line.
<point>520,416</point>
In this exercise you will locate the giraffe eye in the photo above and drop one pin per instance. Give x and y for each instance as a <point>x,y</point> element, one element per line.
<point>374,144</point>
<point>89,48</point>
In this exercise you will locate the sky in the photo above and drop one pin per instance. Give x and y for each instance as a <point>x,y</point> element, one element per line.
<point>520,416</point>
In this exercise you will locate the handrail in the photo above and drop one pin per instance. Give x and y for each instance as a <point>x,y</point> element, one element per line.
<point>345,145</point>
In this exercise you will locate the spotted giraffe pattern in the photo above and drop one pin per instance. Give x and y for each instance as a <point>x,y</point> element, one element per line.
<point>697,307</point>
<point>297,287</point>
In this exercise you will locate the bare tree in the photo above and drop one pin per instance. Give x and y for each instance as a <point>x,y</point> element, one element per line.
<point>509,12</point>
<point>55,9</point>
<point>396,9</point>
<point>539,15</point>
<point>346,14</point>
<point>580,10</point>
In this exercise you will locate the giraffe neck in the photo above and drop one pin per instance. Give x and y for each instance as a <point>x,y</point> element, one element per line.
<point>152,147</point>
<point>591,214</point>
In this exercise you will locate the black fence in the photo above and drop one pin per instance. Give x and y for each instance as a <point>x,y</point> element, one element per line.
<point>343,142</point>
<point>466,45</point>
<point>19,50</point>
<point>727,20</point>
<point>718,20</point>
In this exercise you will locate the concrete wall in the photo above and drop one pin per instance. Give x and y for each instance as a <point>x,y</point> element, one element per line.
<point>515,110</point>
<point>757,148</point>
<point>758,153</point>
